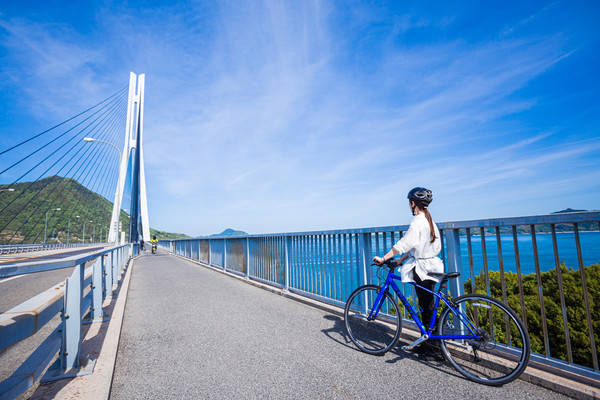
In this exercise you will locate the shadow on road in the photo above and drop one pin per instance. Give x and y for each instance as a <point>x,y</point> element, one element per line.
<point>338,333</point>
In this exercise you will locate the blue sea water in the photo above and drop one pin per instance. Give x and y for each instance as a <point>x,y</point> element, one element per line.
<point>333,272</point>
<point>566,245</point>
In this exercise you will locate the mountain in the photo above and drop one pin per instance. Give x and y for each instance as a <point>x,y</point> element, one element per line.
<point>542,228</point>
<point>229,232</point>
<point>23,212</point>
<point>567,210</point>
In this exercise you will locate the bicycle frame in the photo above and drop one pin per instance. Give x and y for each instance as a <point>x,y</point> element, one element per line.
<point>428,332</point>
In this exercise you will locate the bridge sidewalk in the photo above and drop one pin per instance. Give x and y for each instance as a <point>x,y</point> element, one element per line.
<point>191,332</point>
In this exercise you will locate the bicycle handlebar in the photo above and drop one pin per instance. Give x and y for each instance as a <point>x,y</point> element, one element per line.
<point>389,263</point>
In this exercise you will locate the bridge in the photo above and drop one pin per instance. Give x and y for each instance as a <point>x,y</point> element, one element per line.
<point>252,315</point>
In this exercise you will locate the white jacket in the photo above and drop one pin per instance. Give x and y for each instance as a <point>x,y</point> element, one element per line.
<point>423,254</point>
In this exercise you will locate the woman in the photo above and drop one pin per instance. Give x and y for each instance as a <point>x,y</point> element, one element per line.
<point>420,246</point>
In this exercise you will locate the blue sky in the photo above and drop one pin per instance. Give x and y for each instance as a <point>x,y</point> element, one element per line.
<point>285,116</point>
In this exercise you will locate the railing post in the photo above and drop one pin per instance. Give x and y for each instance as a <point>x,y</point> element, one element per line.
<point>365,257</point>
<point>72,319</point>
<point>224,254</point>
<point>286,243</point>
<point>115,268</point>
<point>97,314</point>
<point>248,263</point>
<point>108,268</point>
<point>365,262</point>
<point>209,251</point>
<point>454,260</point>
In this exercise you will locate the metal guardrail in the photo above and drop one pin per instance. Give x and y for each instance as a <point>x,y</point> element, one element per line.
<point>23,248</point>
<point>75,304</point>
<point>328,265</point>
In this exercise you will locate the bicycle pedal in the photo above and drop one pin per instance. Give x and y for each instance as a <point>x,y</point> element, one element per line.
<point>415,343</point>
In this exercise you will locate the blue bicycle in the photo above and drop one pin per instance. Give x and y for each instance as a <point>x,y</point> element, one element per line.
<point>480,336</point>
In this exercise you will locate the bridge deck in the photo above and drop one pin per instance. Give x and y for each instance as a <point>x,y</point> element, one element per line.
<point>191,332</point>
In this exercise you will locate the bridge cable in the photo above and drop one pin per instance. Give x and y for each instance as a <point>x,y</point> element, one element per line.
<point>43,173</point>
<point>90,153</point>
<point>82,146</point>
<point>113,128</point>
<point>64,122</point>
<point>87,150</point>
<point>52,141</point>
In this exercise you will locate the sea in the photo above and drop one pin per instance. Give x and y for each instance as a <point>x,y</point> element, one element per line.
<point>566,246</point>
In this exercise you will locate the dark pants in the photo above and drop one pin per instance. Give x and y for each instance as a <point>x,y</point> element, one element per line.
<point>425,298</point>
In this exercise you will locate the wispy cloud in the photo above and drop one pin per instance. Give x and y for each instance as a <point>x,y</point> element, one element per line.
<point>266,116</point>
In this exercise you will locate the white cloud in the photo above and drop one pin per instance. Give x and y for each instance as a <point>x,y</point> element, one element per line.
<point>257,118</point>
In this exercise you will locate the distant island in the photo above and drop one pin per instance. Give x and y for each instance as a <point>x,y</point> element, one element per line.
<point>567,210</point>
<point>227,232</point>
<point>541,228</point>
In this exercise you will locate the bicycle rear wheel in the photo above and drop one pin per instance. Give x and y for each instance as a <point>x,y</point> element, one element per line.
<point>373,336</point>
<point>502,353</point>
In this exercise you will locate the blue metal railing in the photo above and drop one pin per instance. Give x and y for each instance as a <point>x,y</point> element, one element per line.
<point>23,248</point>
<point>75,304</point>
<point>329,265</point>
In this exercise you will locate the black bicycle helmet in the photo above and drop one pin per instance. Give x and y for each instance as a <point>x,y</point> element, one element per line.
<point>421,196</point>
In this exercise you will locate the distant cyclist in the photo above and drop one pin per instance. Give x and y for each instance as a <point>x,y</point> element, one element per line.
<point>420,246</point>
<point>154,242</point>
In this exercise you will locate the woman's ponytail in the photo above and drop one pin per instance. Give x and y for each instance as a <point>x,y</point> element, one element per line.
<point>431,230</point>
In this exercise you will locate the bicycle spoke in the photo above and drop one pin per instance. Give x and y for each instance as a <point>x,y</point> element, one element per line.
<point>372,334</point>
<point>499,353</point>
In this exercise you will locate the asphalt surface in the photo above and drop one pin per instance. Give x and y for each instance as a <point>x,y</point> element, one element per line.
<point>44,255</point>
<point>190,332</point>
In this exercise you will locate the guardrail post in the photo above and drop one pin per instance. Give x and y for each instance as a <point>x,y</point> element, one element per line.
<point>454,261</point>
<point>248,263</point>
<point>287,262</point>
<point>108,267</point>
<point>72,319</point>
<point>209,250</point>
<point>69,363</point>
<point>97,314</point>
<point>364,243</point>
<point>365,257</point>
<point>224,254</point>
<point>115,268</point>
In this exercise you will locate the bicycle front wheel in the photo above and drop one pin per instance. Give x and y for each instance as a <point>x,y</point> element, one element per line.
<point>372,335</point>
<point>502,351</point>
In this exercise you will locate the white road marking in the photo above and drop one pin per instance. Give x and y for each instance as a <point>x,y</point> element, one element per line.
<point>11,278</point>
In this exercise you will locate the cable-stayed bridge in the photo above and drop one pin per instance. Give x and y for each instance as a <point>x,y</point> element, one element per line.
<point>87,314</point>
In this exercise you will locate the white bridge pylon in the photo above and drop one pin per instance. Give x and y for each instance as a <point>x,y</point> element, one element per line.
<point>132,158</point>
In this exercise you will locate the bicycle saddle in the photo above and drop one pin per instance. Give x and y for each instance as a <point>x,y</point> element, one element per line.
<point>444,277</point>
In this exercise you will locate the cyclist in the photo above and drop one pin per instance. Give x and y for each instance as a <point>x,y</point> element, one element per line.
<point>419,247</point>
<point>153,243</point>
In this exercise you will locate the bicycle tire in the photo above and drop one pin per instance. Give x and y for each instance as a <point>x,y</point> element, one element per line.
<point>501,356</point>
<point>376,336</point>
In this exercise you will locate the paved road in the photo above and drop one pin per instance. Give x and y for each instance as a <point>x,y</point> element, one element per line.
<point>190,332</point>
<point>44,255</point>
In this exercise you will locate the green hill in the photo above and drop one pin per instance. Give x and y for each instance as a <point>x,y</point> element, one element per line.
<point>23,212</point>
<point>229,232</point>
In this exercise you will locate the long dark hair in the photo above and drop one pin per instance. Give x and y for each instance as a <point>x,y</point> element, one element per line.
<point>431,229</point>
